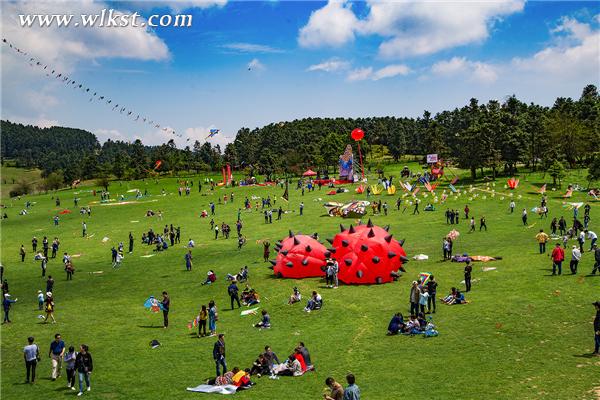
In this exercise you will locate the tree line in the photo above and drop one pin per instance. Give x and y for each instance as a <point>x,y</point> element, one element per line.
<point>495,136</point>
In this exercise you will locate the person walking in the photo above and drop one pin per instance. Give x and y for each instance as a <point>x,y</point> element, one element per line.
<point>575,258</point>
<point>233,292</point>
<point>542,238</point>
<point>31,354</point>
<point>472,225</point>
<point>56,353</point>
<point>524,217</point>
<point>219,354</point>
<point>49,308</point>
<point>130,243</point>
<point>84,367</point>
<point>482,224</point>
<point>558,256</point>
<point>416,210</point>
<point>166,303</point>
<point>597,329</point>
<point>301,208</point>
<point>468,270</point>
<point>592,236</point>
<point>351,392</point>
<point>83,229</point>
<point>69,360</point>
<point>22,253</point>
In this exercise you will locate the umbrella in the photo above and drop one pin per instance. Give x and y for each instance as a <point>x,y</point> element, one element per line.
<point>309,172</point>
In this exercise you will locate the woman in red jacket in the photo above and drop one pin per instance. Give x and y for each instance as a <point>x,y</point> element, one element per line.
<point>558,256</point>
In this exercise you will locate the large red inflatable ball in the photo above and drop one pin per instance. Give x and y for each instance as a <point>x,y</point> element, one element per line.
<point>300,256</point>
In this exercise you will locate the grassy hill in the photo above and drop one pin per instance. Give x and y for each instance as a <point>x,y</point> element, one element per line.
<point>523,335</point>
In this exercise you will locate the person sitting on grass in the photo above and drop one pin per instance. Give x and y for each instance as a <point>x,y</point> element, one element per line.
<point>241,276</point>
<point>396,324</point>
<point>265,322</point>
<point>210,277</point>
<point>413,326</point>
<point>295,297</point>
<point>260,366</point>
<point>291,367</point>
<point>242,380</point>
<point>225,379</point>
<point>314,303</point>
<point>455,297</point>
<point>306,355</point>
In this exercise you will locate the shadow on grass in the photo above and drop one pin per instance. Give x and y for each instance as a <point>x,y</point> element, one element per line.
<point>150,326</point>
<point>586,355</point>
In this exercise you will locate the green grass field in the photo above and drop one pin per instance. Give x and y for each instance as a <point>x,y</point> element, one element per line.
<point>11,175</point>
<point>524,334</point>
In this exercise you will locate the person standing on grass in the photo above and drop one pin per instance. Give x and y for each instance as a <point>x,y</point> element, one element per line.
<point>575,257</point>
<point>596,251</point>
<point>83,229</point>
<point>512,205</point>
<point>472,224</point>
<point>40,298</point>
<point>542,239</point>
<point>423,298</point>
<point>56,353</point>
<point>31,353</point>
<point>302,207</point>
<point>166,303</point>
<point>69,360</point>
<point>562,225</point>
<point>188,260</point>
<point>266,250</point>
<point>34,243</point>
<point>482,224</point>
<point>558,256</point>
<point>84,367</point>
<point>351,392</point>
<point>597,329</point>
<point>216,231</point>
<point>468,270</point>
<point>212,318</point>
<point>69,269</point>
<point>416,210</point>
<point>7,302</point>
<point>414,298</point>
<point>431,289</point>
<point>581,240</point>
<point>22,253</point>
<point>45,246</point>
<point>524,217</point>
<point>130,243</point>
<point>219,354</point>
<point>49,284</point>
<point>467,211</point>
<point>202,319</point>
<point>233,291</point>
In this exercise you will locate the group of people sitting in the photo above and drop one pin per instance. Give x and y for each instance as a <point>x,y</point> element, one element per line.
<point>235,377</point>
<point>416,325</point>
<point>250,296</point>
<point>455,297</point>
<point>241,276</point>
<point>296,364</point>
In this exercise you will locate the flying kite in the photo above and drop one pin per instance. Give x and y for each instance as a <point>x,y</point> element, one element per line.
<point>212,133</point>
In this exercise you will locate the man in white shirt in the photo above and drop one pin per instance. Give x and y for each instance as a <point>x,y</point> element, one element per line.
<point>575,257</point>
<point>592,236</point>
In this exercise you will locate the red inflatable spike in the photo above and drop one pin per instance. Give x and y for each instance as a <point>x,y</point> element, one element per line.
<point>301,256</point>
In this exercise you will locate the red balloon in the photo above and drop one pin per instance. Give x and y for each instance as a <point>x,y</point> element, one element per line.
<point>357,134</point>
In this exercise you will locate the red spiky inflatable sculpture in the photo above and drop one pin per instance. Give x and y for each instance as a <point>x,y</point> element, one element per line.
<point>367,254</point>
<point>300,256</point>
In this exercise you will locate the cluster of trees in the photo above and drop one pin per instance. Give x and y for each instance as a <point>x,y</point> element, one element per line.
<point>496,136</point>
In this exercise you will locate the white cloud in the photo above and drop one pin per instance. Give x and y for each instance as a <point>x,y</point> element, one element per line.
<point>472,70</point>
<point>113,134</point>
<point>181,5</point>
<point>42,121</point>
<point>574,55</point>
<point>407,28</point>
<point>256,65</point>
<point>251,48</point>
<point>331,65</point>
<point>360,74</point>
<point>389,71</point>
<point>332,25</point>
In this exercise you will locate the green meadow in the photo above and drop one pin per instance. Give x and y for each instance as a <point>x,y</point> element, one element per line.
<point>523,335</point>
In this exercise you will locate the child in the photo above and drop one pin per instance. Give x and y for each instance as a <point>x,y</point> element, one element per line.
<point>70,357</point>
<point>118,260</point>
<point>202,318</point>
<point>265,322</point>
<point>40,298</point>
<point>423,297</point>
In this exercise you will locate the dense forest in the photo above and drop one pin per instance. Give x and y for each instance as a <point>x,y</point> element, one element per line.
<point>496,136</point>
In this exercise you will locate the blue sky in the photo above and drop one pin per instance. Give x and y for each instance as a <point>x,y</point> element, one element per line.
<point>308,59</point>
